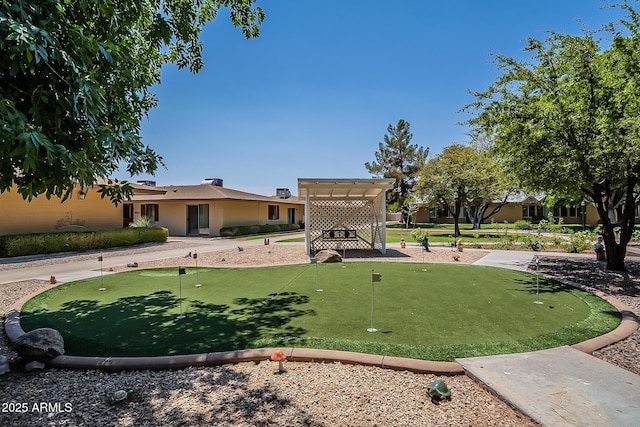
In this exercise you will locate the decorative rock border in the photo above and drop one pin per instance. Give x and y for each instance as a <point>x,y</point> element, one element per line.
<point>628,325</point>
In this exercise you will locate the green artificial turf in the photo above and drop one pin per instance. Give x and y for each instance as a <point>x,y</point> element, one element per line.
<point>444,312</point>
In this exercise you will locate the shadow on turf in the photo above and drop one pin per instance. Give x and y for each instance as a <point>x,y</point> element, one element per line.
<point>147,325</point>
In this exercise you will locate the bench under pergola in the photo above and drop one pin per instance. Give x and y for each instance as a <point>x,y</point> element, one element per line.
<point>344,213</point>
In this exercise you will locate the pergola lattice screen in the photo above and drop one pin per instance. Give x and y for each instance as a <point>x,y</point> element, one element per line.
<point>344,213</point>
<point>361,216</point>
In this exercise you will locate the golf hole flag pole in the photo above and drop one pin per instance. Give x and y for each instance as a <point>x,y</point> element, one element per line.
<point>315,261</point>
<point>375,277</point>
<point>195,256</point>
<point>181,271</point>
<point>102,288</point>
<point>537,301</point>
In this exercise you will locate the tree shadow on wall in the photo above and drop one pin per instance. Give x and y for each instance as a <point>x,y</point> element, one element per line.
<point>145,326</point>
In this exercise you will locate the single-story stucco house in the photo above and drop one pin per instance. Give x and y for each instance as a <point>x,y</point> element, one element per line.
<point>204,209</point>
<point>185,210</point>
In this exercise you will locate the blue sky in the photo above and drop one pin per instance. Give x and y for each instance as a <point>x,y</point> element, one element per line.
<point>313,95</point>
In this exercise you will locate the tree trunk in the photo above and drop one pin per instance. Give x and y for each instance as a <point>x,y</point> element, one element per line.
<point>456,218</point>
<point>603,199</point>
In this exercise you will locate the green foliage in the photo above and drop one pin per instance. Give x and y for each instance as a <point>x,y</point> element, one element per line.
<point>418,234</point>
<point>544,225</point>
<point>77,77</point>
<point>533,242</point>
<point>143,221</point>
<point>399,159</point>
<point>243,230</point>
<point>46,243</point>
<point>523,224</point>
<point>394,207</point>
<point>474,174</point>
<point>579,241</point>
<point>506,242</point>
<point>565,119</point>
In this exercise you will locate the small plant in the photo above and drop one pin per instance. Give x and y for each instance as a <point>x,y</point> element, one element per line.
<point>418,234</point>
<point>522,224</point>
<point>505,243</point>
<point>533,242</point>
<point>143,222</point>
<point>578,242</point>
<point>544,225</point>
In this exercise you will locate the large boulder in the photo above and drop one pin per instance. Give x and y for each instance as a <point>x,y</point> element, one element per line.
<point>328,255</point>
<point>42,344</point>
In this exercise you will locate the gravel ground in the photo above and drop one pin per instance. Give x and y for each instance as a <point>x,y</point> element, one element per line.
<point>254,394</point>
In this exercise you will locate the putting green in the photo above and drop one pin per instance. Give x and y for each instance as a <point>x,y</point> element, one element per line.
<point>444,312</point>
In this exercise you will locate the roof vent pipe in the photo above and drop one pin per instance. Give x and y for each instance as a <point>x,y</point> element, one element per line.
<point>216,182</point>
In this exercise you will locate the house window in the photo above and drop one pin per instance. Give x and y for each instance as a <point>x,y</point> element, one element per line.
<point>443,213</point>
<point>274,212</point>
<point>532,211</point>
<point>566,212</point>
<point>151,211</point>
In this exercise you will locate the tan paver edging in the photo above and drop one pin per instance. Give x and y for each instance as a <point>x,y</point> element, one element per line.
<point>628,324</point>
<point>13,329</point>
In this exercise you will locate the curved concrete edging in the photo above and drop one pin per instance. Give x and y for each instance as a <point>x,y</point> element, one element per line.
<point>629,324</point>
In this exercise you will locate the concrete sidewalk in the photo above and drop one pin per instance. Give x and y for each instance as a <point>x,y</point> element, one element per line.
<point>513,260</point>
<point>561,387</point>
<point>77,270</point>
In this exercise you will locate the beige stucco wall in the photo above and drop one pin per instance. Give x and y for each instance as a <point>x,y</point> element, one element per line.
<point>245,213</point>
<point>510,213</point>
<point>42,215</point>
<point>223,213</point>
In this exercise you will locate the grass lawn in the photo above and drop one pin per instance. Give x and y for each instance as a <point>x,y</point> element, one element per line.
<point>445,312</point>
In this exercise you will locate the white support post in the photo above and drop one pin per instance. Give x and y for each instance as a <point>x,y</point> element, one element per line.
<point>307,225</point>
<point>383,220</point>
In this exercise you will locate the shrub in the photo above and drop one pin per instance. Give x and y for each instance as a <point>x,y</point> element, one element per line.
<point>522,224</point>
<point>506,243</point>
<point>418,234</point>
<point>544,225</point>
<point>46,243</point>
<point>578,242</point>
<point>533,242</point>
<point>143,221</point>
<point>243,230</point>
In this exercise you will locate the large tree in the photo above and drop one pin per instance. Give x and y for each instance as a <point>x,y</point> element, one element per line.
<point>77,78</point>
<point>399,159</point>
<point>464,176</point>
<point>566,121</point>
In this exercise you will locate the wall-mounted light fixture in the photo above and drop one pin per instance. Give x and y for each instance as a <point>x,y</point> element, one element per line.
<point>82,194</point>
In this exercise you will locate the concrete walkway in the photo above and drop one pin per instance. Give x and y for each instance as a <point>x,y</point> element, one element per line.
<point>513,260</point>
<point>555,387</point>
<point>77,270</point>
<point>561,387</point>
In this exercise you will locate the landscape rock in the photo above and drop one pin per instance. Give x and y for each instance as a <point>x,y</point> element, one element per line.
<point>36,365</point>
<point>4,365</point>
<point>328,255</point>
<point>41,344</point>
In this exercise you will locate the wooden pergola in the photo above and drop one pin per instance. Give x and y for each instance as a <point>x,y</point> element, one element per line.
<point>344,213</point>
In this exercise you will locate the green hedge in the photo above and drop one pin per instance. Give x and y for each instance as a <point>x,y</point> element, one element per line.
<point>47,243</point>
<point>243,230</point>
